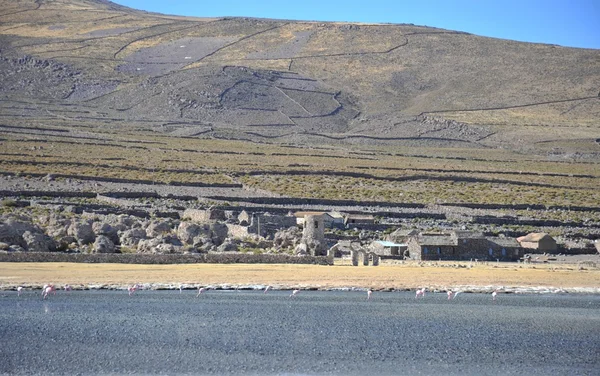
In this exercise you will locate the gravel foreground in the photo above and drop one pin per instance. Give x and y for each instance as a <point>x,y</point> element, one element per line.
<point>314,333</point>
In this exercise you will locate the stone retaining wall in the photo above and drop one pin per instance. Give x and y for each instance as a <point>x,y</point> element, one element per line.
<point>211,258</point>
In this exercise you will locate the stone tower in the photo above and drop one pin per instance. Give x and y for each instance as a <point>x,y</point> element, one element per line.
<point>313,235</point>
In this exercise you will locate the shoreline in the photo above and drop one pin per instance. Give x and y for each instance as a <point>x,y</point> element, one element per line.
<point>438,277</point>
<point>259,287</point>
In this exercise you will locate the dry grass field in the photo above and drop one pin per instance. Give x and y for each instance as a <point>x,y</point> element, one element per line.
<point>386,276</point>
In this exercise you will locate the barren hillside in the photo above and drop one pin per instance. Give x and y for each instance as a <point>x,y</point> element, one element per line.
<point>95,63</point>
<point>95,95</point>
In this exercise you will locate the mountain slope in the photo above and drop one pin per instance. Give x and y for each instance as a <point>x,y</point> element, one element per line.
<point>98,63</point>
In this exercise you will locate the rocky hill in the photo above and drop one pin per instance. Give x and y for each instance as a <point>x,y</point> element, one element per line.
<point>101,65</point>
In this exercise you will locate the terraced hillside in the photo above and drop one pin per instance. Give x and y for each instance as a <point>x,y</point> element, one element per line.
<point>383,113</point>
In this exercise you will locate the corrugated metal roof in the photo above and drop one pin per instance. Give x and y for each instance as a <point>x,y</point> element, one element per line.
<point>385,243</point>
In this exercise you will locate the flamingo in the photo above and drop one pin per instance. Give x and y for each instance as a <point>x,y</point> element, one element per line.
<point>19,290</point>
<point>49,289</point>
<point>133,289</point>
<point>494,295</point>
<point>369,293</point>
<point>267,289</point>
<point>420,293</point>
<point>68,288</point>
<point>450,294</point>
<point>294,293</point>
<point>200,291</point>
<point>180,288</point>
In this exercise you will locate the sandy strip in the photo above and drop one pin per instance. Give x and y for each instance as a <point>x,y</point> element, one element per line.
<point>441,276</point>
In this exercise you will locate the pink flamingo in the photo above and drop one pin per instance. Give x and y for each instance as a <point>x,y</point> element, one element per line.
<point>49,289</point>
<point>68,288</point>
<point>267,289</point>
<point>294,293</point>
<point>450,294</point>
<point>494,295</point>
<point>200,291</point>
<point>369,293</point>
<point>133,289</point>
<point>19,290</point>
<point>420,293</point>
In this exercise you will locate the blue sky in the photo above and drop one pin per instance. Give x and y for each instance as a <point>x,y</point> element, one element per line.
<point>573,23</point>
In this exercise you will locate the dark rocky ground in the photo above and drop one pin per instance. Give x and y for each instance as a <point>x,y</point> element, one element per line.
<point>334,333</point>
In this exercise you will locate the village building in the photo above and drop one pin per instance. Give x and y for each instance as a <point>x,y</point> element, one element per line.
<point>358,219</point>
<point>387,248</point>
<point>262,224</point>
<point>313,236</point>
<point>538,241</point>
<point>205,216</point>
<point>330,220</point>
<point>462,245</point>
<point>401,235</point>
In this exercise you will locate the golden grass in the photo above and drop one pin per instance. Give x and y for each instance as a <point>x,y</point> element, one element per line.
<point>382,277</point>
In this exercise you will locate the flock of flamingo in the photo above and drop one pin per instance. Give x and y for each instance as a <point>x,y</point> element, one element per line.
<point>49,289</point>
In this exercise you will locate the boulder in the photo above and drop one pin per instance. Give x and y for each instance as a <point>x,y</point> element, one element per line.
<point>21,225</point>
<point>103,228</point>
<point>82,231</point>
<point>227,246</point>
<point>103,244</point>
<point>10,236</point>
<point>301,249</point>
<point>66,242</point>
<point>131,238</point>
<point>122,222</point>
<point>156,228</point>
<point>37,242</point>
<point>160,244</point>
<point>287,238</point>
<point>187,232</point>
<point>219,232</point>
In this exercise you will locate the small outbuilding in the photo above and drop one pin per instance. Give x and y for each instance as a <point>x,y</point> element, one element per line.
<point>359,219</point>
<point>538,241</point>
<point>387,248</point>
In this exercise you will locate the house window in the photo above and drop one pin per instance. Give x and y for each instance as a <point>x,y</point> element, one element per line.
<point>491,252</point>
<point>439,251</point>
<point>316,224</point>
<point>425,250</point>
<point>516,252</point>
<point>503,251</point>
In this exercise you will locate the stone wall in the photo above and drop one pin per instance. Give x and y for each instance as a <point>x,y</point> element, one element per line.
<point>211,258</point>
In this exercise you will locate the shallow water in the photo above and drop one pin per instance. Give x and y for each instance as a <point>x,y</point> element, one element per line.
<point>333,333</point>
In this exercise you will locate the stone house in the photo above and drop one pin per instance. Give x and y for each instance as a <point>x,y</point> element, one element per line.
<point>358,219</point>
<point>330,220</point>
<point>432,247</point>
<point>265,225</point>
<point>401,235</point>
<point>387,248</point>
<point>463,245</point>
<point>538,241</point>
<point>505,248</point>
<point>204,216</point>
